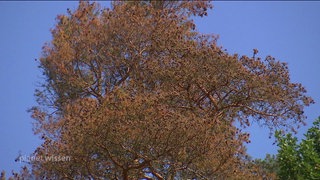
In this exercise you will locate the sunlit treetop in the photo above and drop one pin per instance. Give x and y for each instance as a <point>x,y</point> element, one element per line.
<point>136,91</point>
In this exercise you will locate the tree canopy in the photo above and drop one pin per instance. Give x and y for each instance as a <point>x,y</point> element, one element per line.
<point>299,161</point>
<point>136,92</point>
<point>295,160</point>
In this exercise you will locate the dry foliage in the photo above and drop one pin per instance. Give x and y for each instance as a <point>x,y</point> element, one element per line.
<point>135,92</point>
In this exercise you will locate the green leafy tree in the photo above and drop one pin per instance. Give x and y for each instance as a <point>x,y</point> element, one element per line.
<point>300,161</point>
<point>135,92</point>
<point>288,157</point>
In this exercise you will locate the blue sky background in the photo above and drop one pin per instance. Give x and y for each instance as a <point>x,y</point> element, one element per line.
<point>289,31</point>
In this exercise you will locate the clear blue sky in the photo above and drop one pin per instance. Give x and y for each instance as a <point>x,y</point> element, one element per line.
<point>289,31</point>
